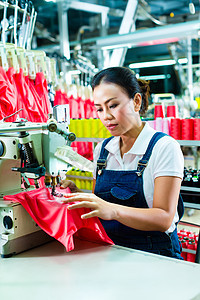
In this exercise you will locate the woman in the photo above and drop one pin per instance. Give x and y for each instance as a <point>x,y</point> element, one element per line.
<point>138,171</point>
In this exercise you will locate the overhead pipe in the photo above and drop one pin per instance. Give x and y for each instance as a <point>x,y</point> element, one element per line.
<point>180,30</point>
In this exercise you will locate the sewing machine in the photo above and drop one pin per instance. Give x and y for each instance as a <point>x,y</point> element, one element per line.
<point>27,152</point>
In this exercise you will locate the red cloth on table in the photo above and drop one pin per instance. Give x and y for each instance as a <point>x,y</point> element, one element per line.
<point>57,221</point>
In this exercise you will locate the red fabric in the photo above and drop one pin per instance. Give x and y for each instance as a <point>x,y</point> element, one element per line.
<point>36,104</point>
<point>73,108</point>
<point>60,98</point>
<point>81,110</point>
<point>83,148</point>
<point>18,93</point>
<point>56,220</point>
<point>8,100</point>
<point>27,99</point>
<point>90,110</point>
<point>41,89</point>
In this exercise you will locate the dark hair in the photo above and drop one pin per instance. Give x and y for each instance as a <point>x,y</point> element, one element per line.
<point>125,78</point>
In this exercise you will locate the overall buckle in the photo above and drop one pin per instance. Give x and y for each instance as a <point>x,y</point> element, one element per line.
<point>143,163</point>
<point>141,166</point>
<point>101,164</point>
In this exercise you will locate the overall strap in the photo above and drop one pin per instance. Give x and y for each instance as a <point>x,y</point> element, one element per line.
<point>145,159</point>
<point>101,162</point>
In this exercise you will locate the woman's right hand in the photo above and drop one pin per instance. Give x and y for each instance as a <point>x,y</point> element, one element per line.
<point>69,184</point>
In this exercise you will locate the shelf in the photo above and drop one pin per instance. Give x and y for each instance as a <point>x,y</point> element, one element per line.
<point>79,177</point>
<point>188,143</point>
<point>190,189</point>
<point>86,191</point>
<point>85,139</point>
<point>191,205</point>
<point>93,139</point>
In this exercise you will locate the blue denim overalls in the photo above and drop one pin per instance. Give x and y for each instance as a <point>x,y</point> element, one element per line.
<point>126,188</point>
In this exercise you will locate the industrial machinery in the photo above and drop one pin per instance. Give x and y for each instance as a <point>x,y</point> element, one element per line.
<point>27,154</point>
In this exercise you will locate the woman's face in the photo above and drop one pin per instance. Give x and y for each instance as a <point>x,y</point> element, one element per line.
<point>117,112</point>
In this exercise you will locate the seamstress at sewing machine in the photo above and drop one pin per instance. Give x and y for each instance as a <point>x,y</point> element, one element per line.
<point>27,152</point>
<point>138,170</point>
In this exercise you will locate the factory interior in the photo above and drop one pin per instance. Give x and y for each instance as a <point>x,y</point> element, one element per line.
<point>55,120</point>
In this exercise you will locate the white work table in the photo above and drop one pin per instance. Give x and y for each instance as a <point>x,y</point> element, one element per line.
<point>93,271</point>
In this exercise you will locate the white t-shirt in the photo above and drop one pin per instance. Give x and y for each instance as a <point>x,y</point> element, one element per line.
<point>166,160</point>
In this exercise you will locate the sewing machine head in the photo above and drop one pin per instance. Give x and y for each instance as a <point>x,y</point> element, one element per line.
<point>27,152</point>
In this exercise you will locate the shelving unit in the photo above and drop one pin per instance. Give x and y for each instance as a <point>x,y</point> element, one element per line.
<point>187,190</point>
<point>190,191</point>
<point>93,140</point>
<point>188,143</point>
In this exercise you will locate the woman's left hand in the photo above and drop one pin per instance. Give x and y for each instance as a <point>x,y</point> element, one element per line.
<point>99,208</point>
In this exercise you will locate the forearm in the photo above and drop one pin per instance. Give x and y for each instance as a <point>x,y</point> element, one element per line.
<point>146,219</point>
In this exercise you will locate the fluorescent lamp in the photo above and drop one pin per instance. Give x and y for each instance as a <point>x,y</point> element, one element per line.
<point>191,8</point>
<point>74,72</point>
<point>112,47</point>
<point>155,77</point>
<point>149,64</point>
<point>157,63</point>
<point>182,61</point>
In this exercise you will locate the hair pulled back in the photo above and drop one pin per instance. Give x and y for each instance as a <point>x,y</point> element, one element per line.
<point>125,78</point>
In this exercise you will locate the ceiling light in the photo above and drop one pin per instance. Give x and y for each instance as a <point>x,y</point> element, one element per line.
<point>155,77</point>
<point>149,64</point>
<point>74,72</point>
<point>183,61</point>
<point>191,8</point>
<point>157,63</point>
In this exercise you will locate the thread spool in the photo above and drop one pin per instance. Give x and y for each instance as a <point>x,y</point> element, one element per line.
<point>159,110</point>
<point>94,128</point>
<point>87,181</point>
<point>191,256</point>
<point>86,128</point>
<point>72,126</point>
<point>187,130</point>
<point>80,128</point>
<point>183,253</point>
<point>166,127</point>
<point>82,180</point>
<point>172,111</point>
<point>100,129</point>
<point>159,124</point>
<point>196,129</point>
<point>152,124</point>
<point>175,128</point>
